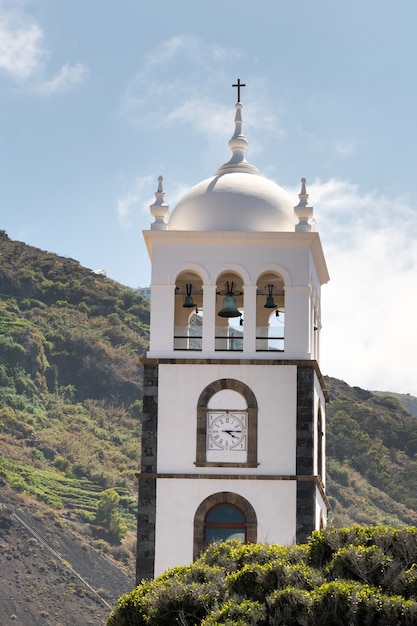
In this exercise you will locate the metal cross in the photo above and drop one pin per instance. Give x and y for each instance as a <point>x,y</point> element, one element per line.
<point>239,85</point>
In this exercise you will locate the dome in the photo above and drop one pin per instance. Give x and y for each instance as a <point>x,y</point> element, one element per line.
<point>237,198</point>
<point>234,200</point>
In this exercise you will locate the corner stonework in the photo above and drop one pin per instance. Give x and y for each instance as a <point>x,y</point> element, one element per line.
<point>145,559</point>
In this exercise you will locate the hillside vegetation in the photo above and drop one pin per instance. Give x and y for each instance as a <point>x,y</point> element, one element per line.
<point>71,390</point>
<point>70,385</point>
<point>371,457</point>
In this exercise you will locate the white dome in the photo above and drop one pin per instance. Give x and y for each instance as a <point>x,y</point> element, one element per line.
<point>234,201</point>
<point>237,199</point>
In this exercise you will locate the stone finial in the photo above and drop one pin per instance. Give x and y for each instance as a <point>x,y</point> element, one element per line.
<point>159,209</point>
<point>303,211</point>
<point>238,145</point>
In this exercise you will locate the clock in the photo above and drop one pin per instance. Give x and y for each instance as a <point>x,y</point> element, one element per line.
<point>226,430</point>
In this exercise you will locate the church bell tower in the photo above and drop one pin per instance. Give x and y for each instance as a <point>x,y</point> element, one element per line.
<point>233,432</point>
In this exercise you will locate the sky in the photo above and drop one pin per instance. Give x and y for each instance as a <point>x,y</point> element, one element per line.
<point>98,98</point>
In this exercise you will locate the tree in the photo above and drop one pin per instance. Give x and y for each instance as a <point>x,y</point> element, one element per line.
<point>108,515</point>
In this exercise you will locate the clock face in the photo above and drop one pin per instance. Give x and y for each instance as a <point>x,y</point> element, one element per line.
<point>226,430</point>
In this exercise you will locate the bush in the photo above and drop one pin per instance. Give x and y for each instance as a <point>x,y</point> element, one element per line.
<point>122,554</point>
<point>350,604</point>
<point>366,564</point>
<point>289,606</point>
<point>85,516</point>
<point>61,463</point>
<point>234,613</point>
<point>354,576</point>
<point>406,584</point>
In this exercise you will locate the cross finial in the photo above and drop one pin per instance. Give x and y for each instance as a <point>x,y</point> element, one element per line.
<point>239,85</point>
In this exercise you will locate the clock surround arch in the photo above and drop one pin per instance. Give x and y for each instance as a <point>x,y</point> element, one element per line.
<point>252,426</point>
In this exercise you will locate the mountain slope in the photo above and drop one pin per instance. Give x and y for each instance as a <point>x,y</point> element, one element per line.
<point>408,401</point>
<point>70,409</point>
<point>371,457</point>
<point>70,405</point>
<point>70,382</point>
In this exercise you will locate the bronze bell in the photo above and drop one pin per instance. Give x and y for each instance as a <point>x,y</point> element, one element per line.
<point>270,303</point>
<point>229,308</point>
<point>188,301</point>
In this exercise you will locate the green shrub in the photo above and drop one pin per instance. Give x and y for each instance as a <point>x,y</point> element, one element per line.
<point>342,577</point>
<point>252,581</point>
<point>406,583</point>
<point>234,613</point>
<point>289,606</point>
<point>170,600</point>
<point>352,604</point>
<point>85,516</point>
<point>366,564</point>
<point>61,463</point>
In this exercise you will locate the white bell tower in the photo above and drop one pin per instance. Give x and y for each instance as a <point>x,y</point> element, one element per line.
<point>233,434</point>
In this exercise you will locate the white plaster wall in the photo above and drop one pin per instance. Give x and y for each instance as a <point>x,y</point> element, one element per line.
<point>254,251</point>
<point>274,505</point>
<point>297,323</point>
<point>275,389</point>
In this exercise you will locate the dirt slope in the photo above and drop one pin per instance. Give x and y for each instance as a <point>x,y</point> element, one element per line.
<point>48,575</point>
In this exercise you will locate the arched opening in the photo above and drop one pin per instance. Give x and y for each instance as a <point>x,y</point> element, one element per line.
<point>270,313</point>
<point>188,314</point>
<point>229,312</point>
<point>223,522</point>
<point>223,516</point>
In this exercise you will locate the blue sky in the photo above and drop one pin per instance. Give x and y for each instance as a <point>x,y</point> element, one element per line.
<point>99,98</point>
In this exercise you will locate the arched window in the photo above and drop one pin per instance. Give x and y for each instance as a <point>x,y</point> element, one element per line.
<point>229,308</point>
<point>188,314</point>
<point>223,516</point>
<point>270,312</point>
<point>224,521</point>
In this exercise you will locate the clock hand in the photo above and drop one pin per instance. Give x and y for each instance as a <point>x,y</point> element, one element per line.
<point>230,432</point>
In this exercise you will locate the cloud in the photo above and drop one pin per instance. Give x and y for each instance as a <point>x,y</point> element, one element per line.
<point>171,78</point>
<point>134,204</point>
<point>21,53</point>
<point>368,336</point>
<point>128,204</point>
<point>176,95</point>
<point>68,77</point>
<point>345,148</point>
<point>324,145</point>
<point>23,56</point>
